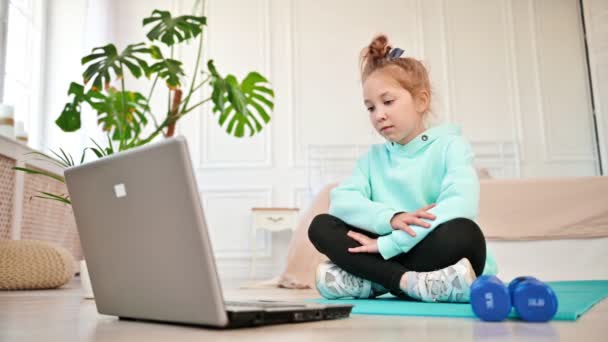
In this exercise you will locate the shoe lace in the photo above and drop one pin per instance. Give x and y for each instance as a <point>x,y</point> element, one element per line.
<point>437,285</point>
<point>350,279</point>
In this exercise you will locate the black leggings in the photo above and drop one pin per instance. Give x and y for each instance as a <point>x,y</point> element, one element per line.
<point>444,246</point>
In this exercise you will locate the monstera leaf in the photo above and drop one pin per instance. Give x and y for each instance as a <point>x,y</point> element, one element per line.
<point>106,58</point>
<point>168,69</point>
<point>69,120</point>
<point>241,107</point>
<point>169,29</point>
<point>111,116</point>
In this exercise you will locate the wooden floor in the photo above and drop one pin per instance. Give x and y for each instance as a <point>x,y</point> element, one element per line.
<point>64,315</point>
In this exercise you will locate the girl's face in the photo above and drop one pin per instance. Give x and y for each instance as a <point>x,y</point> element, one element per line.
<point>393,112</point>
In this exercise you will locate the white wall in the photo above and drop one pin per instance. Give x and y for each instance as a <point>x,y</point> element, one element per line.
<point>64,48</point>
<point>511,72</point>
<point>508,71</point>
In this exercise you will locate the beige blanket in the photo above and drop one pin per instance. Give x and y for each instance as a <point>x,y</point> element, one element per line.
<point>515,209</point>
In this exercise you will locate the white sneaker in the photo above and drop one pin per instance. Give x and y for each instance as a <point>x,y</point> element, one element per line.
<point>451,284</point>
<point>335,283</point>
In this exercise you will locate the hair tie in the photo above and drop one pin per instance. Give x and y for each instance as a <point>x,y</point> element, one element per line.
<point>395,53</point>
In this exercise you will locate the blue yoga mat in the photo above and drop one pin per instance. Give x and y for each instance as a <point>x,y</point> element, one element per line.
<point>574,298</point>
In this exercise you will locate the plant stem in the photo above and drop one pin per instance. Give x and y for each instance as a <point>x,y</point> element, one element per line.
<point>172,120</point>
<point>196,67</point>
<point>168,122</point>
<point>202,83</point>
<point>169,97</point>
<point>155,133</point>
<point>174,115</point>
<point>185,111</point>
<point>124,109</point>
<point>193,90</point>
<point>148,102</point>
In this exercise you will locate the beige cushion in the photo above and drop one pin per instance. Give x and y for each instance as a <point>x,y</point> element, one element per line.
<point>32,265</point>
<point>303,258</point>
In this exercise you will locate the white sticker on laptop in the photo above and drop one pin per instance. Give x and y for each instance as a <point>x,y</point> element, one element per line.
<point>120,190</point>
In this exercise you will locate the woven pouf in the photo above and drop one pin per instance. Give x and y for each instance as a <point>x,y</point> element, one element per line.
<point>34,265</point>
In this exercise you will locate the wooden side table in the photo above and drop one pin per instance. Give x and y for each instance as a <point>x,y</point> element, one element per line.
<point>272,220</point>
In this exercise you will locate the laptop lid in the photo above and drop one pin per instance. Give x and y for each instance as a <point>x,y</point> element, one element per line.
<point>144,236</point>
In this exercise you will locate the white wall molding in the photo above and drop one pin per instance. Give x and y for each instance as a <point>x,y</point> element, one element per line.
<point>210,119</point>
<point>549,155</point>
<point>294,75</point>
<point>334,163</point>
<point>420,30</point>
<point>448,67</point>
<point>301,197</point>
<point>509,27</point>
<point>224,227</point>
<point>500,158</point>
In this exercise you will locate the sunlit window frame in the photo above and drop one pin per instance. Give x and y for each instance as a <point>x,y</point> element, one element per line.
<point>35,115</point>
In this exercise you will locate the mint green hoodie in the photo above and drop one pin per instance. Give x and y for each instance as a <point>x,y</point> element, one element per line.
<point>435,167</point>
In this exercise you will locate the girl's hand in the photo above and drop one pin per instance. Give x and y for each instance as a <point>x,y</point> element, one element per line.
<point>368,245</point>
<point>403,220</point>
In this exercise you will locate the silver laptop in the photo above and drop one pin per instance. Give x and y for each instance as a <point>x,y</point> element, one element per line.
<point>147,247</point>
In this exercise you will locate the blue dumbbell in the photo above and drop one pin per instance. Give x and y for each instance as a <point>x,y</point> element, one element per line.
<point>534,301</point>
<point>490,299</point>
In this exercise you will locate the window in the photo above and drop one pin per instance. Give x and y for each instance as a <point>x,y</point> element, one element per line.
<point>21,73</point>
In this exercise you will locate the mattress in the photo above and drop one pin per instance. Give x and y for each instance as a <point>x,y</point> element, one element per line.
<point>544,208</point>
<point>565,259</point>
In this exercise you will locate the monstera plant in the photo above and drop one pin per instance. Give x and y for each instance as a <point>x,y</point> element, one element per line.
<point>241,108</point>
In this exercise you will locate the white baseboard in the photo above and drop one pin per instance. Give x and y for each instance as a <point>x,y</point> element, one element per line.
<point>240,269</point>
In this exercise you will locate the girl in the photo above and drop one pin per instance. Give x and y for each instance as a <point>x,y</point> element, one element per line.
<point>403,222</point>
